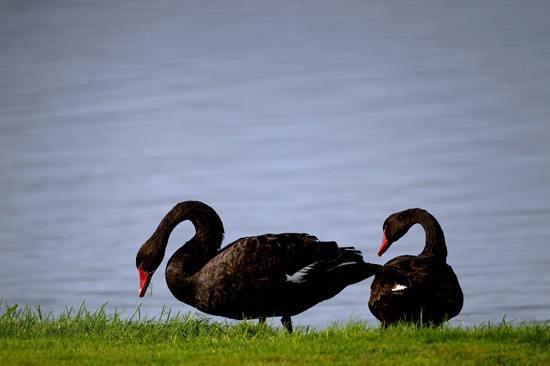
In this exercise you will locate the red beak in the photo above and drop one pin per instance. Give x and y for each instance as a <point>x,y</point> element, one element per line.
<point>144,280</point>
<point>385,245</point>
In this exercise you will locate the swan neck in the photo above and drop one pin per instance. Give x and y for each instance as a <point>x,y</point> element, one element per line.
<point>194,254</point>
<point>435,239</point>
<point>208,226</point>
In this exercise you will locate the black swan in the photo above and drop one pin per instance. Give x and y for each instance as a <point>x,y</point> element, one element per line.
<point>420,289</point>
<point>254,277</point>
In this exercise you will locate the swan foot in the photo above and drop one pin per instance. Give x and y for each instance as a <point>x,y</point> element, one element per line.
<point>287,323</point>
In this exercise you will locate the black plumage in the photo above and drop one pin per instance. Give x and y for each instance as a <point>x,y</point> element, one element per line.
<point>419,289</point>
<point>253,277</point>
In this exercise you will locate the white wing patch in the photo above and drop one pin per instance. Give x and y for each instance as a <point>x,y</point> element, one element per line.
<point>298,277</point>
<point>398,287</point>
<point>341,265</point>
<point>345,264</point>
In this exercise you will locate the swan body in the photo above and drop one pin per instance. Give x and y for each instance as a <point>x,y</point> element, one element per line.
<point>253,277</point>
<point>419,289</point>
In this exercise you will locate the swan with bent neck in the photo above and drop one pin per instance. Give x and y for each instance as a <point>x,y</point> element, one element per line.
<point>420,289</point>
<point>253,277</point>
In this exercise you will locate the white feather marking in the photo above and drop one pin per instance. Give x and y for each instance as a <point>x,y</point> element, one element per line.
<point>398,287</point>
<point>345,264</point>
<point>298,277</point>
<point>341,265</point>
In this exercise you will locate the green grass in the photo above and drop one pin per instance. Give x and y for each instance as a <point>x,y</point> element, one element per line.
<point>81,337</point>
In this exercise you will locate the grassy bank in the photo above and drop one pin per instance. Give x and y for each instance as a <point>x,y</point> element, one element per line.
<point>82,337</point>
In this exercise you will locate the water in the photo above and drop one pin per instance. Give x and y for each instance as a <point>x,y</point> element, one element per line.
<point>302,116</point>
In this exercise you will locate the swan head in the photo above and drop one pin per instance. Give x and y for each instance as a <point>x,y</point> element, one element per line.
<point>148,259</point>
<point>395,226</point>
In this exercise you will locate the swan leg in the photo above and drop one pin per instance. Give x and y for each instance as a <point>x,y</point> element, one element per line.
<point>287,323</point>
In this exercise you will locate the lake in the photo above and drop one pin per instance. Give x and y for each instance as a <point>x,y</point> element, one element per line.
<point>305,116</point>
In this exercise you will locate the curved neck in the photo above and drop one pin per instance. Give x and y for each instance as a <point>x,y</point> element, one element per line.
<point>192,256</point>
<point>435,239</point>
<point>208,227</point>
